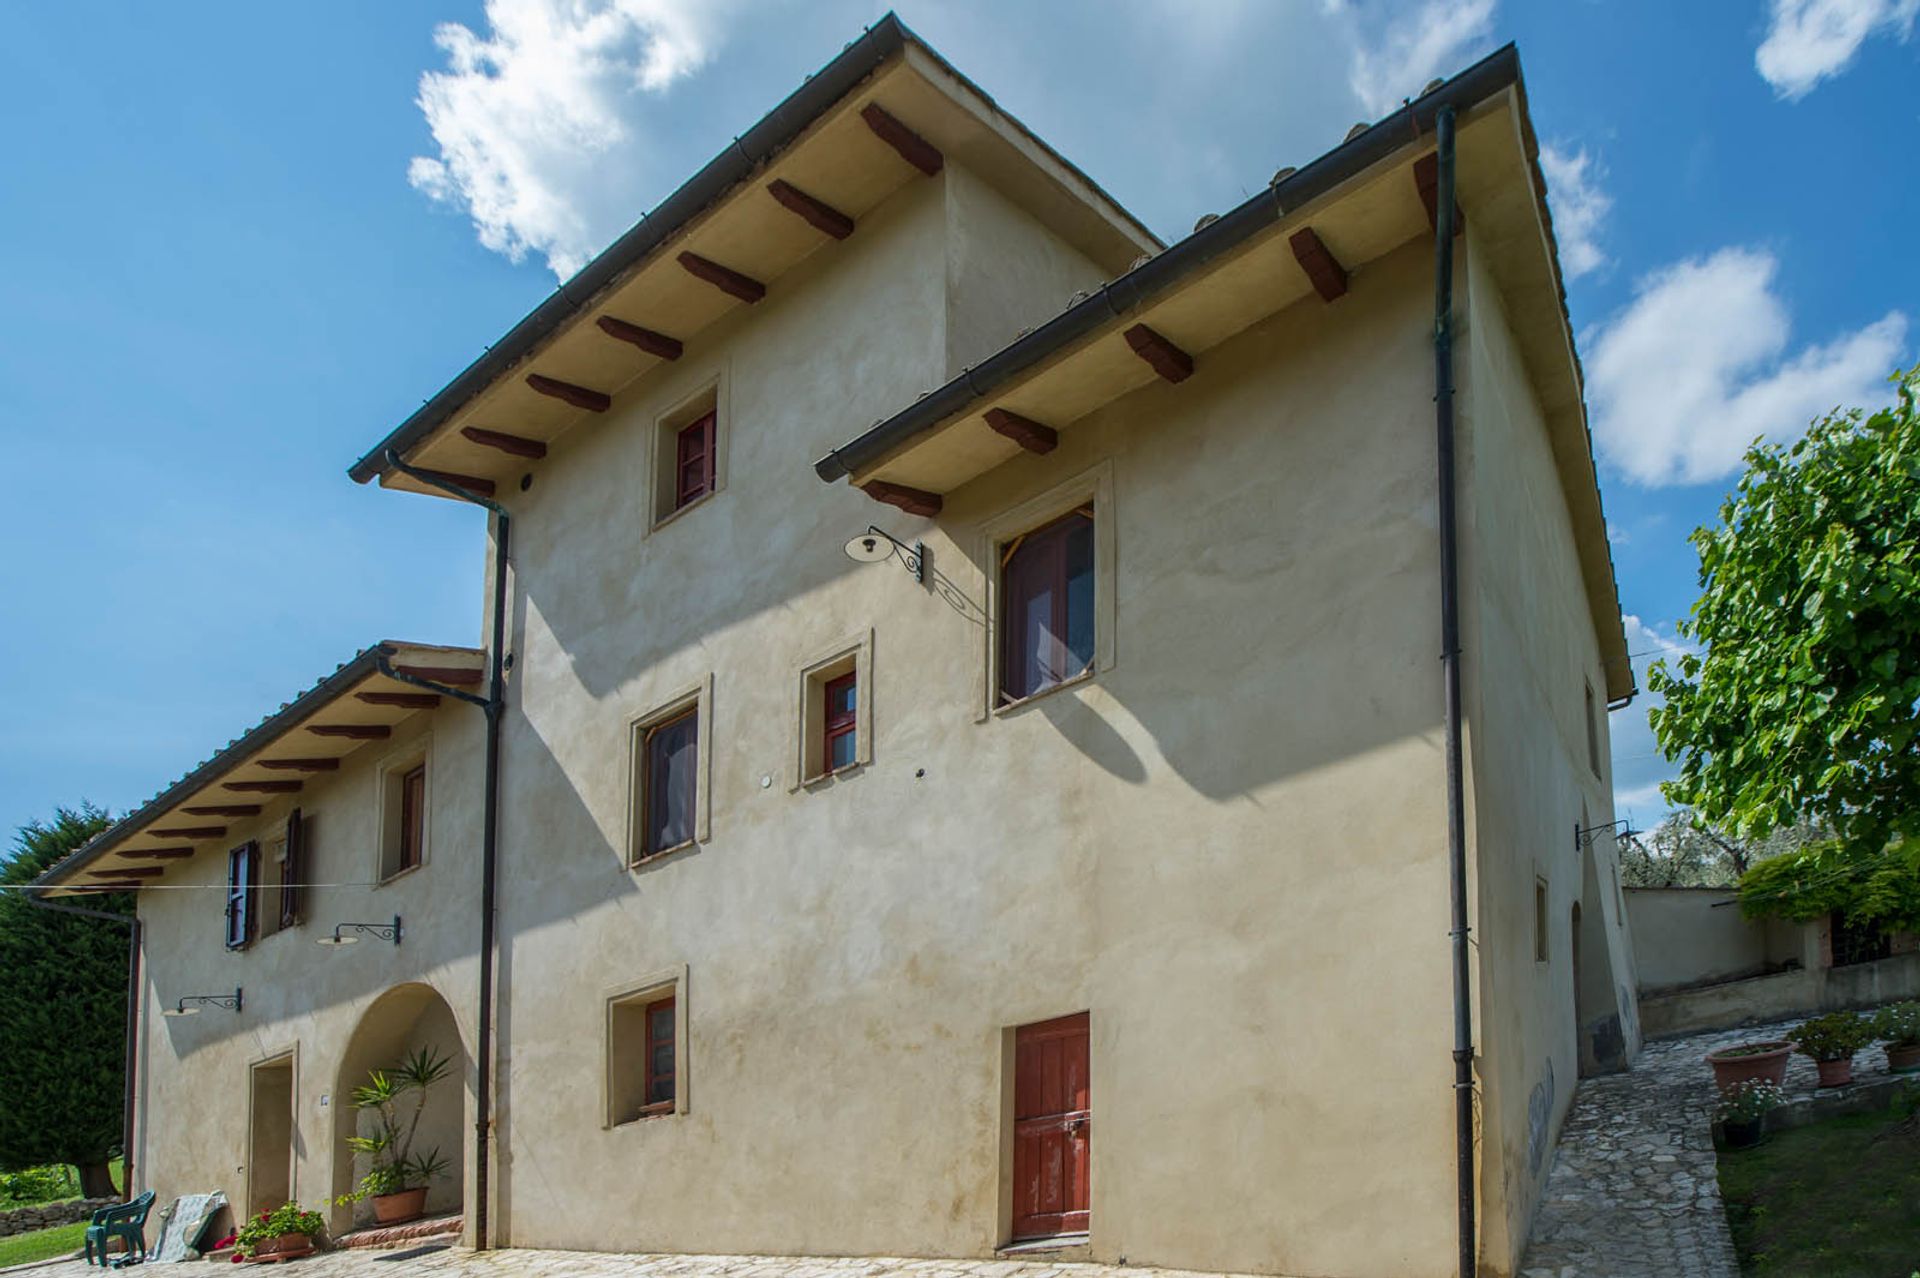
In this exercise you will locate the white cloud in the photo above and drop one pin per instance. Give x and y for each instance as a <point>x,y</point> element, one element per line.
<point>1696,367</point>
<point>536,120</point>
<point>1579,207</point>
<point>1437,38</point>
<point>1812,40</point>
<point>1638,768</point>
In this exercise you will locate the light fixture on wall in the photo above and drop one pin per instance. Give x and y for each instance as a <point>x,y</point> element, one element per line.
<point>1583,836</point>
<point>874,545</point>
<point>192,1003</point>
<point>343,932</point>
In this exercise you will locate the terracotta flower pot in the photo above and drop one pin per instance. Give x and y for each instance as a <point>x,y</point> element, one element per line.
<point>1835,1073</point>
<point>1903,1058</point>
<point>1770,1065</point>
<point>397,1209</point>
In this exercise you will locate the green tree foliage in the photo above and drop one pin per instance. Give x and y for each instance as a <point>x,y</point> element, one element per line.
<point>1869,885</point>
<point>1801,704</point>
<point>1682,852</point>
<point>62,1013</point>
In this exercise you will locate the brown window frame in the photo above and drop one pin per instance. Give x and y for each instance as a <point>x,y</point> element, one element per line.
<point>647,823</point>
<point>1014,661</point>
<point>243,895</point>
<point>834,726</point>
<point>650,1043</point>
<point>413,819</point>
<point>694,445</point>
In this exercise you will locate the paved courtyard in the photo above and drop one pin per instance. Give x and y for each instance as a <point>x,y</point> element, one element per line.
<point>1633,1192</point>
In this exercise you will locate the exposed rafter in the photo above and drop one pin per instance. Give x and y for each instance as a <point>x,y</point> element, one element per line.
<point>301,765</point>
<point>159,854</point>
<point>225,809</point>
<point>645,338</point>
<point>1426,178</point>
<point>724,278</point>
<point>913,148</point>
<point>1329,278</point>
<point>352,731</point>
<point>514,444</point>
<point>472,483</point>
<point>567,393</point>
<point>263,787</point>
<point>405,700</point>
<point>1024,431</point>
<point>130,872</point>
<point>454,676</point>
<point>818,214</point>
<point>911,500</point>
<point>1161,355</point>
<point>191,832</point>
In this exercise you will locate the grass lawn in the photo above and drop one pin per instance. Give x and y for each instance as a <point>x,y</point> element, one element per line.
<point>43,1244</point>
<point>1826,1199</point>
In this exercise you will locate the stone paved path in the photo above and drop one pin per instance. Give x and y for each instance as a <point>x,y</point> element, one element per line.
<point>1633,1192</point>
<point>515,1263</point>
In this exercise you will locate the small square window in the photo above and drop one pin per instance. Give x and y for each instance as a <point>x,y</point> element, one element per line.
<point>835,728</point>
<point>688,442</point>
<point>669,769</point>
<point>646,1050</point>
<point>1047,606</point>
<point>693,462</point>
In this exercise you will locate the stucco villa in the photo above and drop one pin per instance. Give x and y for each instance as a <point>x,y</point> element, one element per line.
<point>986,731</point>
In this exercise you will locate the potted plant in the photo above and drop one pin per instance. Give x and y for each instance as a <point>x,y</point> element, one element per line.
<point>1898,1028</point>
<point>1831,1041</point>
<point>396,1180</point>
<point>1735,1065</point>
<point>1743,1111</point>
<point>280,1234</point>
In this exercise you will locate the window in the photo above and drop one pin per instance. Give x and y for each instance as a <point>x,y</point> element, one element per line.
<point>293,870</point>
<point>687,445</point>
<point>1539,920</point>
<point>406,826</point>
<point>1853,943</point>
<point>840,741</point>
<point>693,462</point>
<point>670,758</point>
<point>646,1062</point>
<point>1593,733</point>
<point>1047,605</point>
<point>243,890</point>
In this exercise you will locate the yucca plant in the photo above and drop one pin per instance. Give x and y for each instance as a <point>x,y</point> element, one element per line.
<point>393,1167</point>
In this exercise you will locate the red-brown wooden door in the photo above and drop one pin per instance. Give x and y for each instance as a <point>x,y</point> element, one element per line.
<point>1051,1126</point>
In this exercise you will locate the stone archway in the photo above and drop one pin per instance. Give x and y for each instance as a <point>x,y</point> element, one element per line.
<point>403,1019</point>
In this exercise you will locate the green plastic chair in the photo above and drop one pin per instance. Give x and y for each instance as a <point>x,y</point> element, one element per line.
<point>122,1220</point>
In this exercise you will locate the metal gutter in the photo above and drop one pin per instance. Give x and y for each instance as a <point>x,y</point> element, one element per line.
<point>1150,280</point>
<point>772,134</point>
<point>363,663</point>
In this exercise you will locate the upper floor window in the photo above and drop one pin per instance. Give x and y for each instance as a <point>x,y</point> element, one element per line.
<point>405,814</point>
<point>1593,733</point>
<point>693,462</point>
<point>840,743</point>
<point>413,815</point>
<point>669,766</point>
<point>243,895</point>
<point>1047,605</point>
<point>689,440</point>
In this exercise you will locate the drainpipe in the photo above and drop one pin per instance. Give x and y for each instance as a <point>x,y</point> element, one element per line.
<point>494,705</point>
<point>1450,668</point>
<point>132,922</point>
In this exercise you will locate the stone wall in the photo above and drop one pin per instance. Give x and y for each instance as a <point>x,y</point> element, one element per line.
<point>24,1220</point>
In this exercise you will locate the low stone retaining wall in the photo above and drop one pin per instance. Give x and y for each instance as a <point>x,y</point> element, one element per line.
<point>24,1220</point>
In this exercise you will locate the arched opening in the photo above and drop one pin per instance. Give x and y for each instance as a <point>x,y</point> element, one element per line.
<point>403,1020</point>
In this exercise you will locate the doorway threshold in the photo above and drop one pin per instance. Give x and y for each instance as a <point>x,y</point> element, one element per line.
<point>1053,1246</point>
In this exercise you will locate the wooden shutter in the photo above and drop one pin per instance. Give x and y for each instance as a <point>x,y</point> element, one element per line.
<point>243,882</point>
<point>293,870</point>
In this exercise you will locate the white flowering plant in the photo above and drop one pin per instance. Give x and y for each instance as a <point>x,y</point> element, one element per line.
<point>1744,1102</point>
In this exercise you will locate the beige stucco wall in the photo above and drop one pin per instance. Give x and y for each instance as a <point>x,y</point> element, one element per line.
<point>192,1119</point>
<point>1697,936</point>
<point>1530,649</point>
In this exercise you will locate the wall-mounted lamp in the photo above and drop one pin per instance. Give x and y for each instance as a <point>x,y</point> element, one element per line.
<point>1583,837</point>
<point>343,932</point>
<point>192,1003</point>
<point>873,545</point>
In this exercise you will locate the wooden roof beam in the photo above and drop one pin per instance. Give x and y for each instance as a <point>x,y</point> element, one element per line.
<point>645,338</point>
<point>912,500</point>
<point>1426,179</point>
<point>1024,431</point>
<point>724,278</point>
<point>191,832</point>
<point>818,214</point>
<point>567,393</point>
<point>130,872</point>
<point>404,700</point>
<point>352,731</point>
<point>472,483</point>
<point>1328,277</point>
<point>263,787</point>
<point>302,765</point>
<point>513,444</point>
<point>454,675</point>
<point>1162,356</point>
<point>912,148</point>
<point>158,854</point>
<point>225,809</point>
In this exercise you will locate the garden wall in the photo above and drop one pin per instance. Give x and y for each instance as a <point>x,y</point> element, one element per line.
<point>25,1220</point>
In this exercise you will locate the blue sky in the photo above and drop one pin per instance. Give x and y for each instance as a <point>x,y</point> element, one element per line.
<point>240,242</point>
